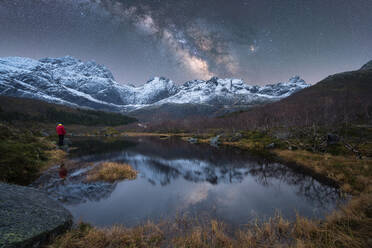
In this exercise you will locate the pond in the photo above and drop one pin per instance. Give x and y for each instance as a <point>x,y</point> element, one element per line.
<point>177,178</point>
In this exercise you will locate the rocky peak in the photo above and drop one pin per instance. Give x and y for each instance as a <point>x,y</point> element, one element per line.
<point>213,80</point>
<point>367,66</point>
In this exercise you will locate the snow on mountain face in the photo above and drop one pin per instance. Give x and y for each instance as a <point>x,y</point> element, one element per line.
<point>70,81</point>
<point>232,91</point>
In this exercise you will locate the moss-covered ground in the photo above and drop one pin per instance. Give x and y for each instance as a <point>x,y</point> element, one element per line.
<point>24,154</point>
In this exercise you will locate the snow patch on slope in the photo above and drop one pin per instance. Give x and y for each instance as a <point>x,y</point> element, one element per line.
<point>70,81</point>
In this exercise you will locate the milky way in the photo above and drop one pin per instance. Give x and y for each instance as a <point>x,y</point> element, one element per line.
<point>258,41</point>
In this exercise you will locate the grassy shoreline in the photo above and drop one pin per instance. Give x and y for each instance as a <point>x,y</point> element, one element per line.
<point>351,173</point>
<point>349,226</point>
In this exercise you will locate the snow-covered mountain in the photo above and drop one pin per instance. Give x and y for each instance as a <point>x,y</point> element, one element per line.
<point>232,92</point>
<point>70,81</point>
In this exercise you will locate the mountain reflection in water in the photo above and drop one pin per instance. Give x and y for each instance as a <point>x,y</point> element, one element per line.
<point>176,177</point>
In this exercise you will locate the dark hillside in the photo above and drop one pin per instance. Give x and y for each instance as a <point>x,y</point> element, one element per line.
<point>344,98</point>
<point>340,98</point>
<point>22,109</point>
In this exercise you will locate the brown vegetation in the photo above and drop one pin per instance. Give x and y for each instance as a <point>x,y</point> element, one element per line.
<point>14,109</point>
<point>111,172</point>
<point>348,227</point>
<point>353,174</point>
<point>85,236</point>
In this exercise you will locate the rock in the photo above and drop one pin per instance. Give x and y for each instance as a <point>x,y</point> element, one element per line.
<point>292,148</point>
<point>281,135</point>
<point>28,217</point>
<point>369,242</point>
<point>270,146</point>
<point>67,142</point>
<point>44,134</point>
<point>215,141</point>
<point>332,139</point>
<point>236,137</point>
<point>192,140</point>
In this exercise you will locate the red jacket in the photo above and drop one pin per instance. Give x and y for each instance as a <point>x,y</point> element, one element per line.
<point>60,130</point>
<point>62,173</point>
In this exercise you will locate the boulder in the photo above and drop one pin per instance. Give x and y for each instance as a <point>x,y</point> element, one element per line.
<point>332,139</point>
<point>44,134</point>
<point>281,134</point>
<point>270,146</point>
<point>215,141</point>
<point>192,140</point>
<point>67,142</point>
<point>28,217</point>
<point>236,137</point>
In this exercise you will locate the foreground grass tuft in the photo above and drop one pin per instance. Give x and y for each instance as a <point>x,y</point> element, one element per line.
<point>148,235</point>
<point>111,172</point>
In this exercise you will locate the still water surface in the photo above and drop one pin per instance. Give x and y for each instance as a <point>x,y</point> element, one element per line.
<point>176,177</point>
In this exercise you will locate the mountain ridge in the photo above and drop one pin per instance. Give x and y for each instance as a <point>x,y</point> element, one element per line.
<point>341,98</point>
<point>69,81</point>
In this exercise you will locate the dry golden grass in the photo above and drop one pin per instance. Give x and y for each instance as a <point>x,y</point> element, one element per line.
<point>348,227</point>
<point>111,172</point>
<point>183,136</point>
<point>354,175</point>
<point>85,236</point>
<point>143,134</point>
<point>204,140</point>
<point>55,156</point>
<point>248,145</point>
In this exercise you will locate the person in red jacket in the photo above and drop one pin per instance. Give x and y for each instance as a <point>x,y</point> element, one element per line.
<point>61,133</point>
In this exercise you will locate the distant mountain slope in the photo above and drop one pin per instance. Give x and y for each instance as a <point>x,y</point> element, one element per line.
<point>174,111</point>
<point>72,82</point>
<point>341,98</point>
<point>22,109</point>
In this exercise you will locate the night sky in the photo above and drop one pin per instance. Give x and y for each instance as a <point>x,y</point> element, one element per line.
<point>260,41</point>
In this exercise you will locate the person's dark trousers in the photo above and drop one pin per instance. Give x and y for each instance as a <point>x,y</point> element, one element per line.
<point>60,141</point>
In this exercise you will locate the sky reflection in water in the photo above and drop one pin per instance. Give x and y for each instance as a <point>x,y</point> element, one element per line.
<point>177,177</point>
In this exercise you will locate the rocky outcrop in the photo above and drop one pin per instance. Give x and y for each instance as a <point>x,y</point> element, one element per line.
<point>28,217</point>
<point>367,67</point>
<point>215,141</point>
